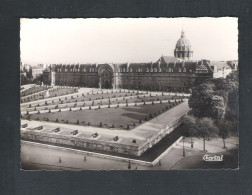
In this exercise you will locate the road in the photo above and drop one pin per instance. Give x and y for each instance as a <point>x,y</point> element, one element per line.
<point>37,158</point>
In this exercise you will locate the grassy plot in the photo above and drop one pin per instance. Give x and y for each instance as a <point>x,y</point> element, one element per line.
<point>119,117</point>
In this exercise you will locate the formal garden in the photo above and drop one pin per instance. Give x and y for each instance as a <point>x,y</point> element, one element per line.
<point>102,98</point>
<point>118,117</point>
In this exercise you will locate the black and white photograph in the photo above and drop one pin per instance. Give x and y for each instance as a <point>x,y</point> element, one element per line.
<point>129,93</point>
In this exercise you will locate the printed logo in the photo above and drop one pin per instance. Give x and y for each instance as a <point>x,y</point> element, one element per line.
<point>207,157</point>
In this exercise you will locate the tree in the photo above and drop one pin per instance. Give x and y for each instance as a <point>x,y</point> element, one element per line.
<point>206,129</point>
<point>224,130</point>
<point>187,127</point>
<point>200,100</point>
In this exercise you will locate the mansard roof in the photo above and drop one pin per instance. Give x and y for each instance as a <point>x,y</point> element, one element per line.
<point>167,59</point>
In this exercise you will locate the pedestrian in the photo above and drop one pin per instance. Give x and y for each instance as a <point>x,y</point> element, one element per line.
<point>59,160</point>
<point>85,158</point>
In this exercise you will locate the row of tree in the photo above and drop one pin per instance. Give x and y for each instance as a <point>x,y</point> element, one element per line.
<point>214,105</point>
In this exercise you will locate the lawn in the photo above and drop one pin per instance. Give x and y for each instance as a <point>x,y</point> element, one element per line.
<point>119,117</point>
<point>33,90</point>
<point>61,91</point>
<point>102,99</point>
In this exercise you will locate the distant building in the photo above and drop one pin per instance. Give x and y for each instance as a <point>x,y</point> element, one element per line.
<point>169,73</point>
<point>37,70</point>
<point>220,68</point>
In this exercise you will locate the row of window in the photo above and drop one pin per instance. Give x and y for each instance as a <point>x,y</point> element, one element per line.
<point>124,70</point>
<point>154,70</point>
<point>76,70</point>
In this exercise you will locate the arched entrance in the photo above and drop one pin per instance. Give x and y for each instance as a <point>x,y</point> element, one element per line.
<point>106,76</point>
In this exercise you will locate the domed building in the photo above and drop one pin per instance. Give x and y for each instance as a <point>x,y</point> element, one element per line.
<point>183,48</point>
<point>170,73</point>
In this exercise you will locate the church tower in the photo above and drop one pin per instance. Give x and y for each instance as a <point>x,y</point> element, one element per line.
<point>183,48</point>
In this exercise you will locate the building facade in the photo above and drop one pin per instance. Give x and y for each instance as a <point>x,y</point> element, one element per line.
<point>177,73</point>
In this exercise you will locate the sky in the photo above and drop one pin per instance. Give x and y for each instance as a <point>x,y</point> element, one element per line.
<point>121,40</point>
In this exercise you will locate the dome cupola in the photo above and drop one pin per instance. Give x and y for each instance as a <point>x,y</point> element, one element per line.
<point>183,48</point>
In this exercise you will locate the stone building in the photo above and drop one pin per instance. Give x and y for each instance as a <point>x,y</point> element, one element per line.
<point>168,73</point>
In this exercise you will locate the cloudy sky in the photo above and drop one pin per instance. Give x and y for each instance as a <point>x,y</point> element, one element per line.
<point>118,40</point>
